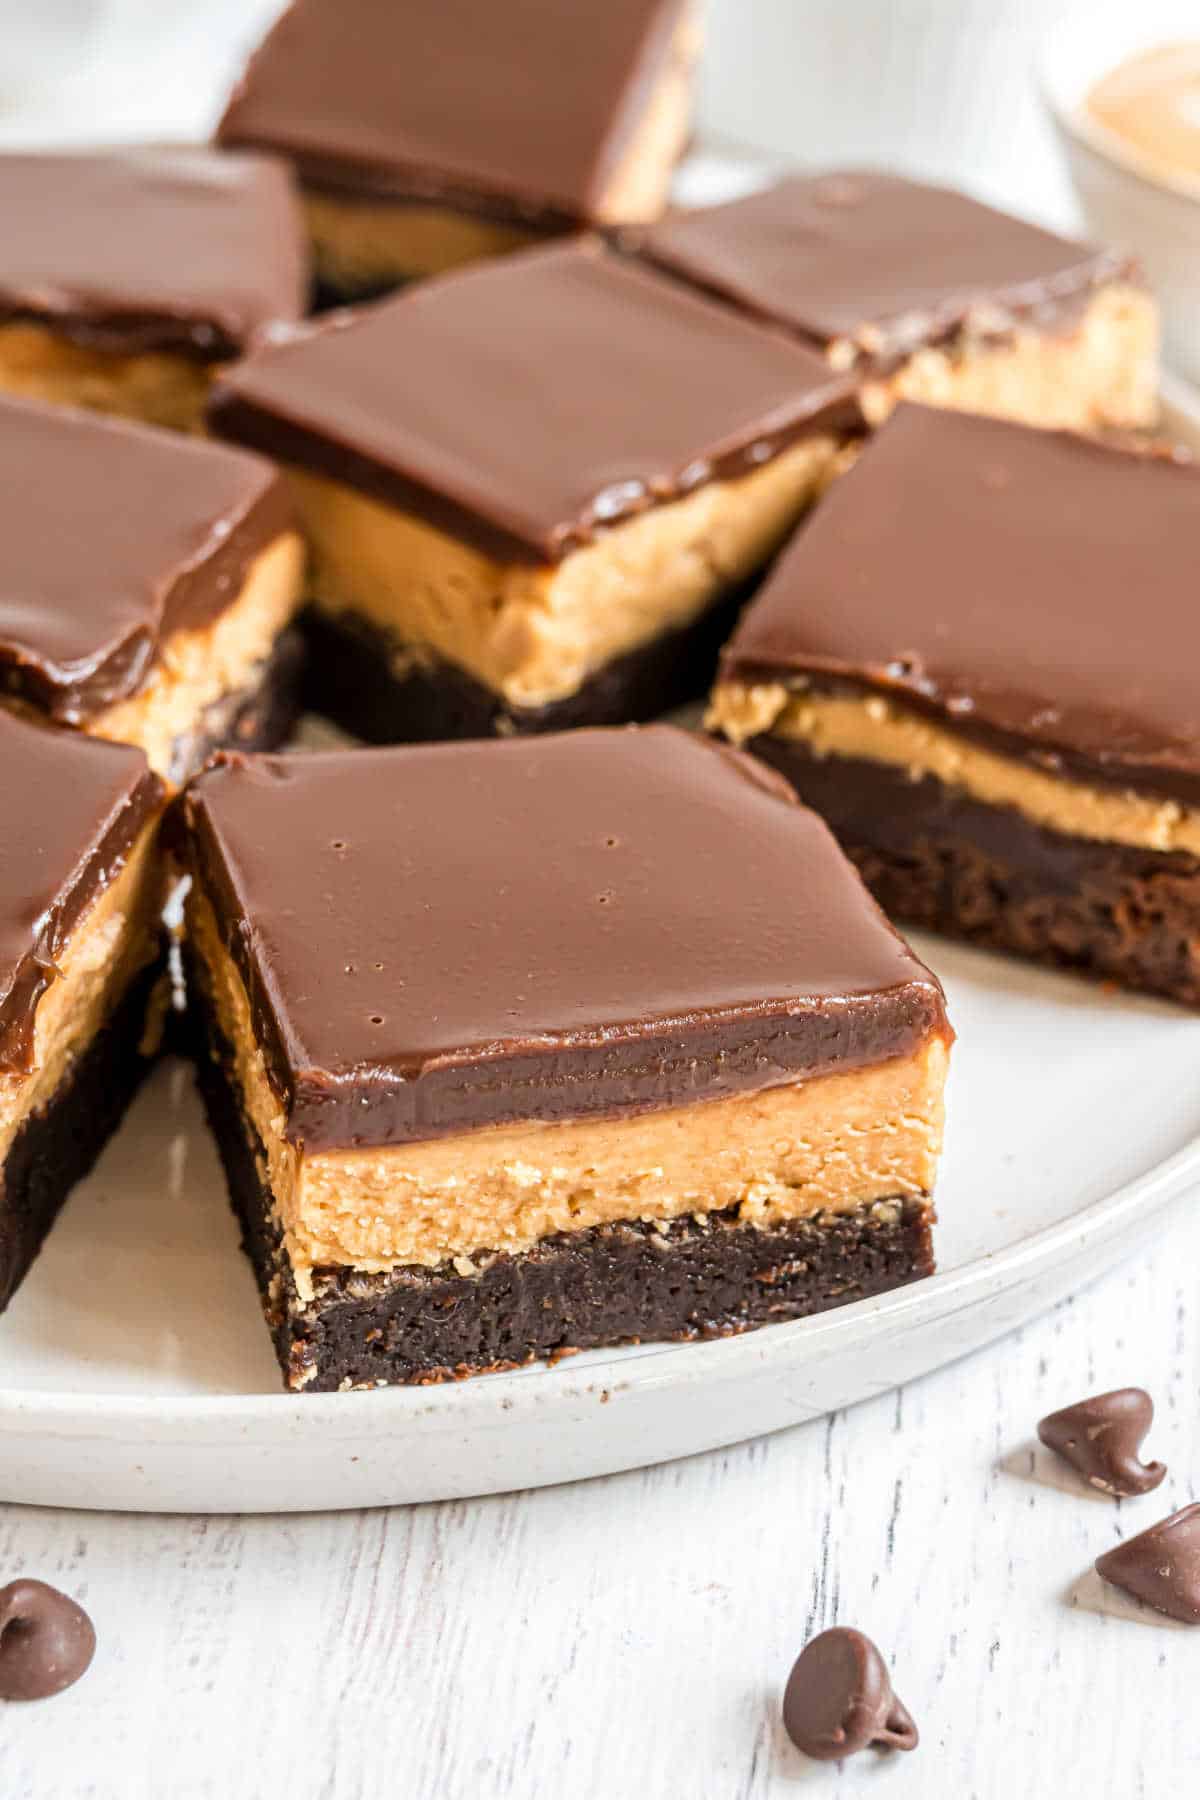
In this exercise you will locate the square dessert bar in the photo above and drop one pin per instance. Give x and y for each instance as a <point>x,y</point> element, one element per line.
<point>148,584</point>
<point>81,894</point>
<point>979,663</point>
<point>432,133</point>
<point>527,486</point>
<point>127,277</point>
<point>525,1047</point>
<point>929,296</point>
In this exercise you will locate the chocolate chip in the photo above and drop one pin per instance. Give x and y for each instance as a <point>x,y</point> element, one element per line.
<point>839,1699</point>
<point>1101,1437</point>
<point>1161,1566</point>
<point>46,1641</point>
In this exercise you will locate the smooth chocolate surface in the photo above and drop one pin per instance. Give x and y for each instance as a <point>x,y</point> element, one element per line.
<point>1161,1566</point>
<point>839,1699</point>
<point>1031,588</point>
<point>1101,1438</point>
<point>530,402</point>
<point>151,249</point>
<point>47,1641</point>
<point>70,809</point>
<point>527,106</point>
<point>611,1284</point>
<point>116,536</point>
<point>443,937</point>
<point>887,263</point>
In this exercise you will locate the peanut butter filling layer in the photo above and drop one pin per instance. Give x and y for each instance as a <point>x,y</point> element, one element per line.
<point>1104,373</point>
<point>534,634</point>
<point>155,386</point>
<point>359,242</point>
<point>828,1144</point>
<point>874,729</point>
<point>117,938</point>
<point>198,668</point>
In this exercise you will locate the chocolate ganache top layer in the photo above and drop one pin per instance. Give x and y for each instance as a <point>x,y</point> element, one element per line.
<point>115,537</point>
<point>886,263</point>
<point>530,103</point>
<point>183,249</point>
<point>530,402</point>
<point>1030,588</point>
<point>438,938</point>
<point>70,809</point>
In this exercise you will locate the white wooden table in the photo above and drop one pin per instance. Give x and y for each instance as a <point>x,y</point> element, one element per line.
<point>630,1637</point>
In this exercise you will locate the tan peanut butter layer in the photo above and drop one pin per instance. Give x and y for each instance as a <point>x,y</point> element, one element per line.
<point>198,668</point>
<point>117,937</point>
<point>1102,373</point>
<point>534,633</point>
<point>829,1144</point>
<point>873,729</point>
<point>158,387</point>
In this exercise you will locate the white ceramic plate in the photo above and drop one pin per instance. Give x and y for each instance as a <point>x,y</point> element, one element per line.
<point>136,1371</point>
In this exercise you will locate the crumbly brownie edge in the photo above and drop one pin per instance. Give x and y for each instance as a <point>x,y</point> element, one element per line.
<point>615,1284</point>
<point>58,1145</point>
<point>352,680</point>
<point>934,857</point>
<point>260,716</point>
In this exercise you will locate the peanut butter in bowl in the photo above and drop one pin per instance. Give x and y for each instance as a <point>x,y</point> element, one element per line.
<point>1151,102</point>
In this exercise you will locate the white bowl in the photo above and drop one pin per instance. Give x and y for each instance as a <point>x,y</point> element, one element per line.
<point>1125,199</point>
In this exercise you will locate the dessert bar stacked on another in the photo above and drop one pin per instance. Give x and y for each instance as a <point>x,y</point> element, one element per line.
<point>979,663</point>
<point>524,1047</point>
<point>929,296</point>
<point>81,894</point>
<point>432,133</point>
<point>127,277</point>
<point>529,487</point>
<point>148,584</point>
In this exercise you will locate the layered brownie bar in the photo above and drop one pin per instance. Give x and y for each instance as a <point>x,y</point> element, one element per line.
<point>520,1048</point>
<point>978,663</point>
<point>433,133</point>
<point>928,295</point>
<point>527,486</point>
<point>149,581</point>
<point>148,585</point>
<point>81,892</point>
<point>126,278</point>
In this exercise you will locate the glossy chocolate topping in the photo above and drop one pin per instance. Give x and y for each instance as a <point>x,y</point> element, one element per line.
<point>179,249</point>
<point>115,537</point>
<point>531,401</point>
<point>887,263</point>
<point>1031,588</point>
<point>529,103</point>
<point>70,809</point>
<point>465,934</point>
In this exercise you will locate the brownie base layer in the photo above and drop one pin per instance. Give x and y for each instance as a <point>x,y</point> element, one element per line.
<point>260,717</point>
<point>613,1284</point>
<point>934,857</point>
<point>57,1146</point>
<point>352,680</point>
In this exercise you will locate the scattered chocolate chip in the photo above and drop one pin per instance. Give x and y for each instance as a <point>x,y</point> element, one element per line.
<point>46,1641</point>
<point>1161,1566</point>
<point>839,1699</point>
<point>1101,1437</point>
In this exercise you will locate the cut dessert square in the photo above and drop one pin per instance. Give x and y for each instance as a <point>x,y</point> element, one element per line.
<point>81,894</point>
<point>441,131</point>
<point>127,277</point>
<point>520,1048</point>
<point>930,296</point>
<point>978,663</point>
<point>529,487</point>
<point>149,582</point>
